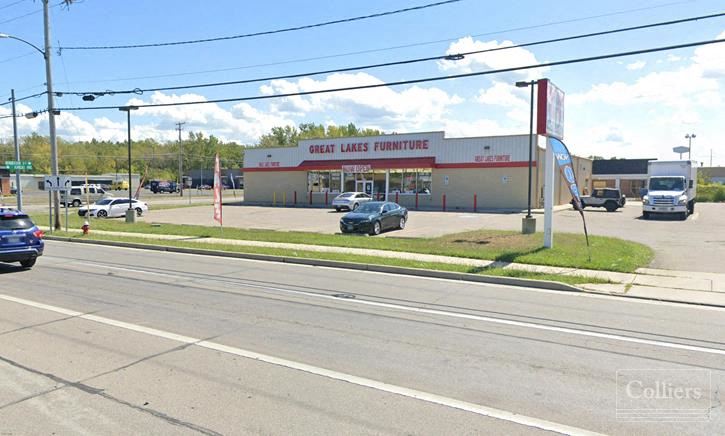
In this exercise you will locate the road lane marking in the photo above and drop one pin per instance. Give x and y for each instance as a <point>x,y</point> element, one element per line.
<point>460,315</point>
<point>315,370</point>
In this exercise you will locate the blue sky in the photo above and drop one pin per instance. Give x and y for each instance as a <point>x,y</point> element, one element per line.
<point>638,106</point>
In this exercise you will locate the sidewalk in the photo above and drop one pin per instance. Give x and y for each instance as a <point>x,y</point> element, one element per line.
<point>645,283</point>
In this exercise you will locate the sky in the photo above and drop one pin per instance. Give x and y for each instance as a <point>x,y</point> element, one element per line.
<point>637,106</point>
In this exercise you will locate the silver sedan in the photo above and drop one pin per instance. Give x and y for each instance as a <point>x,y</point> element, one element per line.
<point>350,200</point>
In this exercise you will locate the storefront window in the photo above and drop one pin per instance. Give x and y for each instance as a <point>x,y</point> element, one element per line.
<point>313,181</point>
<point>425,181</point>
<point>349,182</point>
<point>334,181</point>
<point>409,182</point>
<point>396,181</point>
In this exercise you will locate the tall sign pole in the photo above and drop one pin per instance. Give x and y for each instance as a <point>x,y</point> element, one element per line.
<point>51,111</point>
<point>180,182</point>
<point>18,188</point>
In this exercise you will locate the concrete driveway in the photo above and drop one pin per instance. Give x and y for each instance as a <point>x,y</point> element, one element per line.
<point>697,244</point>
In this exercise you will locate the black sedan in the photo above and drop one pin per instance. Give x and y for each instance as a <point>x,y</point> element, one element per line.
<point>373,217</point>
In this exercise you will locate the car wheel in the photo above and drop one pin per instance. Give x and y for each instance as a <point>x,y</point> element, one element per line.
<point>76,203</point>
<point>691,207</point>
<point>101,214</point>
<point>355,206</point>
<point>337,209</point>
<point>645,215</point>
<point>683,216</point>
<point>401,223</point>
<point>376,228</point>
<point>28,263</point>
<point>139,211</point>
<point>610,206</point>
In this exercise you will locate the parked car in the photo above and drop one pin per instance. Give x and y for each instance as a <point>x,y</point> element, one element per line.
<point>158,186</point>
<point>78,195</point>
<point>350,200</point>
<point>374,217</point>
<point>113,207</point>
<point>20,239</point>
<point>608,198</point>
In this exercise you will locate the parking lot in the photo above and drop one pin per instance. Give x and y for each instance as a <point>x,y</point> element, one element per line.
<point>697,244</point>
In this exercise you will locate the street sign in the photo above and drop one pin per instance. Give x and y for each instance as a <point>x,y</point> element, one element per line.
<point>14,165</point>
<point>57,183</point>
<point>681,149</point>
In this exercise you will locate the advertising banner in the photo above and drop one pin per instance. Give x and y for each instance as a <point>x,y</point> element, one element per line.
<point>217,191</point>
<point>564,162</point>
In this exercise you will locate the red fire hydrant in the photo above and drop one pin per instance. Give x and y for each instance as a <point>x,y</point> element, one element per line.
<point>85,227</point>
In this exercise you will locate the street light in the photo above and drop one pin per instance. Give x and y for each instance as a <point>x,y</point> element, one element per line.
<point>529,223</point>
<point>689,137</point>
<point>51,105</point>
<point>130,213</point>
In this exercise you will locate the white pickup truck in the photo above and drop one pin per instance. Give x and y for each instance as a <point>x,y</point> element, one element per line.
<point>671,188</point>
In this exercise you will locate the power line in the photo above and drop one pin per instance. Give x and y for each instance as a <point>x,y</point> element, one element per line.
<point>455,56</point>
<point>12,4</point>
<point>266,32</point>
<point>24,98</point>
<point>377,50</point>
<point>414,81</point>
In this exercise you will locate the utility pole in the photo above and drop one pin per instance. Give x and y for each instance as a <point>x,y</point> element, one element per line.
<point>18,188</point>
<point>51,111</point>
<point>711,158</point>
<point>181,162</point>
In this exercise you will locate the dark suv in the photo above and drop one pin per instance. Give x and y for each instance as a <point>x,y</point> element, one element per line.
<point>608,198</point>
<point>20,239</point>
<point>157,186</point>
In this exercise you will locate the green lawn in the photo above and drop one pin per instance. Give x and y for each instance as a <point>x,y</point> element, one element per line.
<point>352,258</point>
<point>569,250</point>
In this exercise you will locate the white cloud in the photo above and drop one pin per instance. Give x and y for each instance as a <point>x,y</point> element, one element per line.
<point>711,59</point>
<point>636,65</point>
<point>500,58</point>
<point>673,58</point>
<point>407,109</point>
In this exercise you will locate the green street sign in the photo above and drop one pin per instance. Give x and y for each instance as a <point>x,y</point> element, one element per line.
<point>14,165</point>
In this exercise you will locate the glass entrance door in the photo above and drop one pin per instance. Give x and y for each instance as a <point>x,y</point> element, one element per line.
<point>365,186</point>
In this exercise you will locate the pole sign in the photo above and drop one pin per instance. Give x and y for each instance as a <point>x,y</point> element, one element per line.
<point>57,183</point>
<point>15,165</point>
<point>550,110</point>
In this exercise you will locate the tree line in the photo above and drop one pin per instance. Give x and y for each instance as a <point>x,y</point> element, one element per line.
<point>160,160</point>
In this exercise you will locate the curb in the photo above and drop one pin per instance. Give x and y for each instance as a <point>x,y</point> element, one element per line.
<point>511,281</point>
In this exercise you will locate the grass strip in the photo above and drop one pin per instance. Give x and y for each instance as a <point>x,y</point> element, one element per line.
<point>344,257</point>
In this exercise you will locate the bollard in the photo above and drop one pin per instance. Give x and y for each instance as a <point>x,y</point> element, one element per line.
<point>295,198</point>
<point>310,198</point>
<point>474,202</point>
<point>397,194</point>
<point>444,202</point>
<point>325,198</point>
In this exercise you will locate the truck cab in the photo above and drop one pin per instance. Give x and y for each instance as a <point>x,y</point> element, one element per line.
<point>671,189</point>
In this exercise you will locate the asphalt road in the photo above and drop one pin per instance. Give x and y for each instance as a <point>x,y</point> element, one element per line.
<point>100,340</point>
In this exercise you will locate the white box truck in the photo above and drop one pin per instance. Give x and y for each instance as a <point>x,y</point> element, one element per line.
<point>671,188</point>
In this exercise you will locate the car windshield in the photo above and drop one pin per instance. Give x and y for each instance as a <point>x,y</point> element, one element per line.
<point>346,194</point>
<point>15,222</point>
<point>369,208</point>
<point>667,184</point>
<point>104,201</point>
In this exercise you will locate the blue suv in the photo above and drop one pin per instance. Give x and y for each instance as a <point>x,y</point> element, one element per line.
<point>20,239</point>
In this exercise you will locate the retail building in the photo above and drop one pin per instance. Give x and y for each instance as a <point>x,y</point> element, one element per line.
<point>417,170</point>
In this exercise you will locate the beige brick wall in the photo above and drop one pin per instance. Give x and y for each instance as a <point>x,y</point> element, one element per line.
<point>261,186</point>
<point>496,188</point>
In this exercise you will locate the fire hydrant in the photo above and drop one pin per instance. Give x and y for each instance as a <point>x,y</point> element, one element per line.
<point>85,227</point>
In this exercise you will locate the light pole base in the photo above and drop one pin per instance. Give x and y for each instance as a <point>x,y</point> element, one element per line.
<point>528,225</point>
<point>130,216</point>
